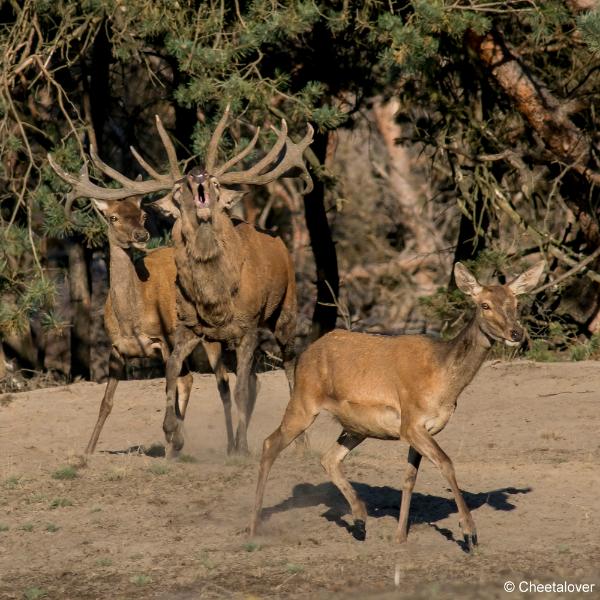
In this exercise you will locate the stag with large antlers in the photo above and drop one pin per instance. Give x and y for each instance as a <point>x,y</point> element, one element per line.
<point>140,312</point>
<point>231,278</point>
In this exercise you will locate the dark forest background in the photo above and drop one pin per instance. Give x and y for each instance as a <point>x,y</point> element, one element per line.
<point>445,130</point>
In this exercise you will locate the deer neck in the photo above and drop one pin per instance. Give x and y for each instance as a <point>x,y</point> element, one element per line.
<point>125,289</point>
<point>211,279</point>
<point>464,356</point>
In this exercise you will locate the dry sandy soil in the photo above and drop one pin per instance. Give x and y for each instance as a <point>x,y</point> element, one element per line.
<point>525,441</point>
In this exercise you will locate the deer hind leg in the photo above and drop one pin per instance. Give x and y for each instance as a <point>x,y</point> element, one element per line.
<point>245,389</point>
<point>295,421</point>
<point>410,477</point>
<point>214,352</point>
<point>424,444</point>
<point>116,369</point>
<point>332,463</point>
<point>185,342</point>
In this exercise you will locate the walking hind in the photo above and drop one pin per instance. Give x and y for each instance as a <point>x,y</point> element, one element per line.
<point>397,387</point>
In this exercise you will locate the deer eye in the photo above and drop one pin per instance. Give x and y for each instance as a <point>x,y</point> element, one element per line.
<point>114,218</point>
<point>485,306</point>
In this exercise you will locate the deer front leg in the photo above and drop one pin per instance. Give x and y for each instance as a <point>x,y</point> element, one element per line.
<point>424,444</point>
<point>245,389</point>
<point>410,477</point>
<point>116,368</point>
<point>214,352</point>
<point>185,342</point>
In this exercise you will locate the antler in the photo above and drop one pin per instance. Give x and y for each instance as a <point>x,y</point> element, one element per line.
<point>82,187</point>
<point>284,155</point>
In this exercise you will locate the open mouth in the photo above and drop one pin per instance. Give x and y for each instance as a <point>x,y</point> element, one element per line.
<point>199,198</point>
<point>202,206</point>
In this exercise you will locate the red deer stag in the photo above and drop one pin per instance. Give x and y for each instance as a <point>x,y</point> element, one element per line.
<point>140,311</point>
<point>231,278</point>
<point>402,387</point>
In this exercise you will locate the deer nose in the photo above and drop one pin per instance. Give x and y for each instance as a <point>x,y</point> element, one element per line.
<point>516,335</point>
<point>141,235</point>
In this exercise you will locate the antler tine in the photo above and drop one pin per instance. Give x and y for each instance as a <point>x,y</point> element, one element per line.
<point>108,170</point>
<point>292,158</point>
<point>299,148</point>
<point>238,157</point>
<point>82,187</point>
<point>148,167</point>
<point>273,153</point>
<point>170,150</point>
<point>71,197</point>
<point>213,146</point>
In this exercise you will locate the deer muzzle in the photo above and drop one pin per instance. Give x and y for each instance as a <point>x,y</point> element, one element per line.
<point>141,235</point>
<point>515,336</point>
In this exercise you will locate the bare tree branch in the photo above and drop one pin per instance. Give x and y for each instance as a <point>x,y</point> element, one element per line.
<point>546,114</point>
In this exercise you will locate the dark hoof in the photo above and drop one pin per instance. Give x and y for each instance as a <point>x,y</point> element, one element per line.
<point>471,542</point>
<point>359,531</point>
<point>177,440</point>
<point>241,448</point>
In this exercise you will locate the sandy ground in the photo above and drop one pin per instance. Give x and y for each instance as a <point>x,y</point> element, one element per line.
<point>525,441</point>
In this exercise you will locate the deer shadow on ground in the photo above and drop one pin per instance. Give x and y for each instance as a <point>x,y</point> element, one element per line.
<point>384,501</point>
<point>154,451</point>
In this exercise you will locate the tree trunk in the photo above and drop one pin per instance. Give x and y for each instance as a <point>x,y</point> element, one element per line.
<point>323,248</point>
<point>81,317</point>
<point>100,344</point>
<point>408,190</point>
<point>2,362</point>
<point>57,349</point>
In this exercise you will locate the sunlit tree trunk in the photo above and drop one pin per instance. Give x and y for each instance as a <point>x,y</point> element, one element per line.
<point>81,316</point>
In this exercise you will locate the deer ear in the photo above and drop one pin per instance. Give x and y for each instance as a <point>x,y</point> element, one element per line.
<point>101,205</point>
<point>526,281</point>
<point>465,281</point>
<point>166,206</point>
<point>229,198</point>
